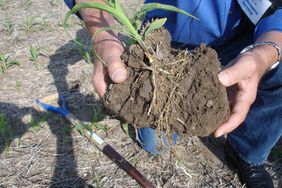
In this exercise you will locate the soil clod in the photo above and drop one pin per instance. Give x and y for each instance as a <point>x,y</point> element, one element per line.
<point>179,91</point>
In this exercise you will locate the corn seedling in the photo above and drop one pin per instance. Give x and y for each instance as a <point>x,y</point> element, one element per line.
<point>27,3</point>
<point>126,128</point>
<point>29,23</point>
<point>54,3</point>
<point>18,85</point>
<point>37,125</point>
<point>67,130</point>
<point>64,25</point>
<point>83,52</point>
<point>5,63</point>
<point>8,25</point>
<point>97,181</point>
<point>34,53</point>
<point>97,116</point>
<point>128,26</point>
<point>44,23</point>
<point>2,3</point>
<point>6,132</point>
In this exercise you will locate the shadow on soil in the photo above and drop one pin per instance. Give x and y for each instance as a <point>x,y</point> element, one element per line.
<point>65,168</point>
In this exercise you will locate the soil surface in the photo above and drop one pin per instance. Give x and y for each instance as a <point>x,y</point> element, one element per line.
<point>179,91</point>
<point>42,150</point>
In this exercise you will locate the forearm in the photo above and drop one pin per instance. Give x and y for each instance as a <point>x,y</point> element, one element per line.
<point>93,18</point>
<point>266,53</point>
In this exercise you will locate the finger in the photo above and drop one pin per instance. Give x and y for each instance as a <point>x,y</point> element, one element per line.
<point>111,55</point>
<point>116,69</point>
<point>236,73</point>
<point>239,113</point>
<point>236,118</point>
<point>99,78</point>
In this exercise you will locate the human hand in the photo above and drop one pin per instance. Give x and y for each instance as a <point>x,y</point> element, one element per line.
<point>106,45</point>
<point>243,75</point>
<point>109,49</point>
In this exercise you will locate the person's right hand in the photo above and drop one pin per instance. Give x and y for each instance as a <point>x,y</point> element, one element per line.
<point>106,45</point>
<point>110,49</point>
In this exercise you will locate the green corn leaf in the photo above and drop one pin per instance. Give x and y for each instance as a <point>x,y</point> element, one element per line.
<point>114,12</point>
<point>2,125</point>
<point>158,23</point>
<point>116,5</point>
<point>2,57</point>
<point>80,128</point>
<point>112,3</point>
<point>87,57</point>
<point>11,63</point>
<point>154,6</point>
<point>120,9</point>
<point>126,128</point>
<point>118,15</point>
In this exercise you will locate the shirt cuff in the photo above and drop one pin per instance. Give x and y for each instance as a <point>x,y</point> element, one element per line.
<point>71,4</point>
<point>270,23</point>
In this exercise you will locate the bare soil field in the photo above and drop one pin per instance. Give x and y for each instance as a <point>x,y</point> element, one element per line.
<point>40,149</point>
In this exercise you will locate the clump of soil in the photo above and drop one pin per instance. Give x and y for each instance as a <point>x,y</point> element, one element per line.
<point>178,91</point>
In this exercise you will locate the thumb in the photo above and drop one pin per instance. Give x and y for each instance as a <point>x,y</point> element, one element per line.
<point>116,69</point>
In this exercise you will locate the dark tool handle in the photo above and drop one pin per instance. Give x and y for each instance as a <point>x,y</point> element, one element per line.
<point>126,166</point>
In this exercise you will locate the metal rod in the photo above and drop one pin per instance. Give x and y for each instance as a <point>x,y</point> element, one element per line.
<point>112,154</point>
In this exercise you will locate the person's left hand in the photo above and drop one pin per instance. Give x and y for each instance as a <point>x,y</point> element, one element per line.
<point>241,78</point>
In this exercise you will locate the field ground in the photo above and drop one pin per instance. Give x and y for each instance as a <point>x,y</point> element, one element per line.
<point>41,150</point>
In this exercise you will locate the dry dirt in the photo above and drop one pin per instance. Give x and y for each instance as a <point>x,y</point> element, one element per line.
<point>56,156</point>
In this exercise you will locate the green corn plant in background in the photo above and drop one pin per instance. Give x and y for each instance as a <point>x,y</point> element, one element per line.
<point>53,3</point>
<point>96,118</point>
<point>29,23</point>
<point>128,26</point>
<point>5,63</point>
<point>34,52</point>
<point>44,23</point>
<point>18,85</point>
<point>2,3</point>
<point>8,25</point>
<point>6,132</point>
<point>83,52</point>
<point>27,3</point>
<point>35,125</point>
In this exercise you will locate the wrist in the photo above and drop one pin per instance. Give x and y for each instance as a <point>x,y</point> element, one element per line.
<point>95,19</point>
<point>267,53</point>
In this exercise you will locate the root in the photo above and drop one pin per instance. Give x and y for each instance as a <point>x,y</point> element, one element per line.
<point>154,92</point>
<point>165,81</point>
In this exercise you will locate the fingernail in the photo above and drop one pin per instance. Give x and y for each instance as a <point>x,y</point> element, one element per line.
<point>119,75</point>
<point>223,78</point>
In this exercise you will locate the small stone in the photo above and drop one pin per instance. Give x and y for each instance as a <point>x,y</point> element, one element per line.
<point>209,103</point>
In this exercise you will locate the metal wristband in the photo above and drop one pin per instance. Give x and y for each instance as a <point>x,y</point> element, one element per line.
<point>248,48</point>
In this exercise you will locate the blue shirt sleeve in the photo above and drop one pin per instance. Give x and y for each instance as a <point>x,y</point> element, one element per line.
<point>71,4</point>
<point>270,23</point>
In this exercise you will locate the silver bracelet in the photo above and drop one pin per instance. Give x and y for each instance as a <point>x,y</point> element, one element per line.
<point>261,44</point>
